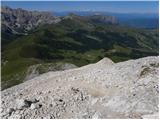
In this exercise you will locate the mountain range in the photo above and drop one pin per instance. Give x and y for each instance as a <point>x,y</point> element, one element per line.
<point>136,20</point>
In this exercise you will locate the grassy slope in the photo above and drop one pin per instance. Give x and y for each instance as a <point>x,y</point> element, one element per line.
<point>76,42</point>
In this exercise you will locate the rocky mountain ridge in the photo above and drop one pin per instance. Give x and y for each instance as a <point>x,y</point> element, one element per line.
<point>102,90</point>
<point>95,18</point>
<point>21,21</point>
<point>104,19</point>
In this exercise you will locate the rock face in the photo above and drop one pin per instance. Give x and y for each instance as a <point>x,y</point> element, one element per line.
<point>100,19</point>
<point>104,19</point>
<point>103,90</point>
<point>21,21</point>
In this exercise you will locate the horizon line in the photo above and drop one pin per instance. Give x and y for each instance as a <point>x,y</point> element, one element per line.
<point>81,11</point>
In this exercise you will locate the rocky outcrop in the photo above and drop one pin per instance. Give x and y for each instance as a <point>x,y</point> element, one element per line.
<point>103,19</point>
<point>21,21</point>
<point>100,19</point>
<point>103,90</point>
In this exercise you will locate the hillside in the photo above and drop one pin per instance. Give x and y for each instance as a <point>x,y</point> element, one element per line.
<point>77,40</point>
<point>102,90</point>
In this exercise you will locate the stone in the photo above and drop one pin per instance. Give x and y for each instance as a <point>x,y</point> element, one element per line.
<point>10,110</point>
<point>95,116</point>
<point>35,106</point>
<point>22,103</point>
<point>151,116</point>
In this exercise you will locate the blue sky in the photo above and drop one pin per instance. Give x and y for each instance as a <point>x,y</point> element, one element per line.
<point>109,6</point>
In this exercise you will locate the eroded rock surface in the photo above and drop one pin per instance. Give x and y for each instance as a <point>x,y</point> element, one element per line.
<point>103,90</point>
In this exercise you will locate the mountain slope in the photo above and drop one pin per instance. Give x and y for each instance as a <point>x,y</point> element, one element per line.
<point>74,41</point>
<point>136,20</point>
<point>78,40</point>
<point>103,90</point>
<point>17,22</point>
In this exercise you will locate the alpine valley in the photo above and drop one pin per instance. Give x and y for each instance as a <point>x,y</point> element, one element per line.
<point>36,42</point>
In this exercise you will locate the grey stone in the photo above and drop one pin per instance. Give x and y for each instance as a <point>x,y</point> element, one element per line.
<point>35,106</point>
<point>10,110</point>
<point>22,103</point>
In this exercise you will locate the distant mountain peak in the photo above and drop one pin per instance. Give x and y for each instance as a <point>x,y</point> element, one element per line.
<point>21,21</point>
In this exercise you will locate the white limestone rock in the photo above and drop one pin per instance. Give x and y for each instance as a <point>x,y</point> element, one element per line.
<point>105,89</point>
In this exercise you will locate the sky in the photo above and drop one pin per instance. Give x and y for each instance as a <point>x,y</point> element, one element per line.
<point>107,6</point>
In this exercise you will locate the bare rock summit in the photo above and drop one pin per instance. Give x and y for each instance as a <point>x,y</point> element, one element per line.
<point>102,90</point>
